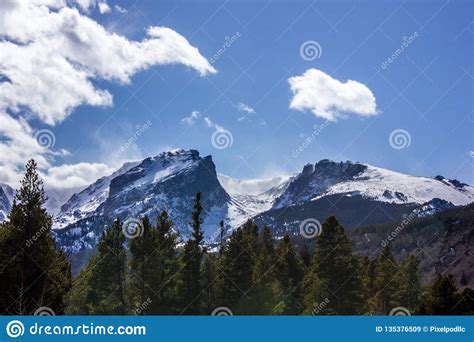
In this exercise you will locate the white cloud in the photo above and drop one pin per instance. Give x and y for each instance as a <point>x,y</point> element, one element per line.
<point>76,175</point>
<point>212,124</point>
<point>243,108</point>
<point>51,52</point>
<point>104,7</point>
<point>50,58</point>
<point>120,9</point>
<point>191,119</point>
<point>329,98</point>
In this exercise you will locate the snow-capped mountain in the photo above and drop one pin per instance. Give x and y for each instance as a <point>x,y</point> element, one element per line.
<point>168,181</point>
<point>84,203</point>
<point>357,193</point>
<point>6,199</point>
<point>330,178</point>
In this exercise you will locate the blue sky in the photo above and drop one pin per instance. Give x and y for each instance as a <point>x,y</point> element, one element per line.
<point>426,90</point>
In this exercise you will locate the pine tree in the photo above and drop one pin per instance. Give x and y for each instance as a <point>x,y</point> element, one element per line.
<point>221,237</point>
<point>236,267</point>
<point>208,283</point>
<point>442,298</point>
<point>165,266</point>
<point>368,282</point>
<point>305,256</point>
<point>289,273</point>
<point>189,290</point>
<point>410,289</point>
<point>261,299</point>
<point>334,277</point>
<point>387,283</point>
<point>33,273</point>
<point>144,258</point>
<point>107,279</point>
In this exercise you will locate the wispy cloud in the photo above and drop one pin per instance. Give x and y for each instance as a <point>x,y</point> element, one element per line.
<point>243,108</point>
<point>191,119</point>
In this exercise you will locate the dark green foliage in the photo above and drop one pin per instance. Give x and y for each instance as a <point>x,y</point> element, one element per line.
<point>410,289</point>
<point>106,290</point>
<point>289,273</point>
<point>334,277</point>
<point>33,273</point>
<point>443,298</point>
<point>153,265</point>
<point>387,281</point>
<point>189,286</point>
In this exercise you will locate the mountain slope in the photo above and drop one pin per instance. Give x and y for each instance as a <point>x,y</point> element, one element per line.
<point>329,178</point>
<point>6,199</point>
<point>168,182</point>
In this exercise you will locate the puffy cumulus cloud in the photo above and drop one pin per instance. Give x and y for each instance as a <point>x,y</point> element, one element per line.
<point>50,54</point>
<point>329,98</point>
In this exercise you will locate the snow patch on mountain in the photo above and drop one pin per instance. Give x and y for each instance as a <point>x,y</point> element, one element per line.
<point>85,202</point>
<point>394,187</point>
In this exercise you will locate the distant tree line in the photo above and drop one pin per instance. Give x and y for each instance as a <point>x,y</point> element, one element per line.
<point>248,273</point>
